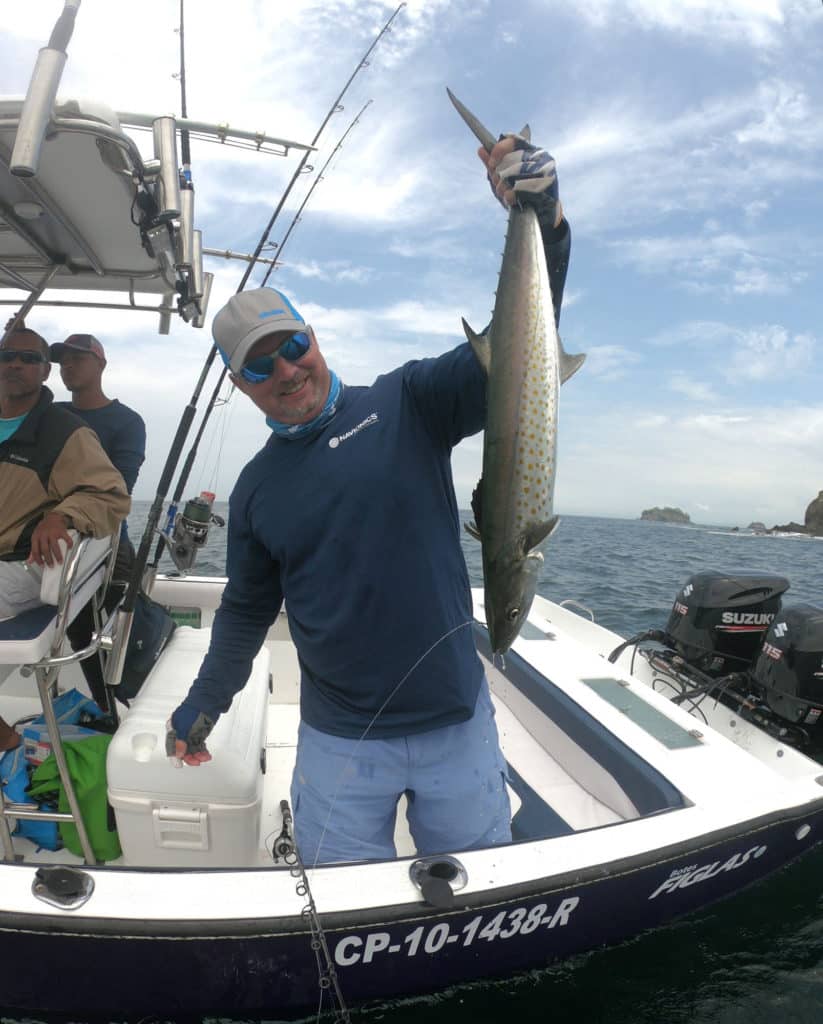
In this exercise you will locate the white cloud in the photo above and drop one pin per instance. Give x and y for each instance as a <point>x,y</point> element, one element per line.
<point>333,270</point>
<point>785,118</point>
<point>752,22</point>
<point>609,361</point>
<point>696,390</point>
<point>743,464</point>
<point>719,262</point>
<point>694,332</point>
<point>770,353</point>
<point>651,422</point>
<point>755,210</point>
<point>637,156</point>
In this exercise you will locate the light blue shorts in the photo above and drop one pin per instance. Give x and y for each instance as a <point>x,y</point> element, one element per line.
<point>344,792</point>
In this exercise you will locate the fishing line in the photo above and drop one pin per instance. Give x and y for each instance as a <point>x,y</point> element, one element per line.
<point>315,183</point>
<point>211,461</point>
<point>227,414</point>
<point>334,109</point>
<point>366,731</point>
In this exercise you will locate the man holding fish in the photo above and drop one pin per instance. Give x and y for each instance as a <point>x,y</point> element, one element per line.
<point>349,514</point>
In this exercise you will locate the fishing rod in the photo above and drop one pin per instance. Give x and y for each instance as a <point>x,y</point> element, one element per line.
<point>136,580</point>
<point>273,263</point>
<point>185,150</point>
<point>196,517</point>
<point>192,455</point>
<point>335,108</point>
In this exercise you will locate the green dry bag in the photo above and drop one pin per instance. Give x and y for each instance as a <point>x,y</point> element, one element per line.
<point>87,767</point>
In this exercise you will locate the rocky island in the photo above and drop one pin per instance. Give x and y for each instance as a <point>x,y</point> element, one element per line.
<point>814,516</point>
<point>811,525</point>
<point>665,515</point>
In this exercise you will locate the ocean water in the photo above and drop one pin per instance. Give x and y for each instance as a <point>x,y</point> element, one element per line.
<point>754,959</point>
<point>624,570</point>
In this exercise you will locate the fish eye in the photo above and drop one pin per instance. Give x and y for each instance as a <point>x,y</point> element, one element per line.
<point>512,614</point>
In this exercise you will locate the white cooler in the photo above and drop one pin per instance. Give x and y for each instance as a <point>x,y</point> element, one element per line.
<point>190,817</point>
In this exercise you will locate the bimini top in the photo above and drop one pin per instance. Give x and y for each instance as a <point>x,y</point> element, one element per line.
<point>76,212</point>
<point>88,213</point>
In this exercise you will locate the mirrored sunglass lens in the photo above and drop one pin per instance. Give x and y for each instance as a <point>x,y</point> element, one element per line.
<point>292,349</point>
<point>295,347</point>
<point>259,368</point>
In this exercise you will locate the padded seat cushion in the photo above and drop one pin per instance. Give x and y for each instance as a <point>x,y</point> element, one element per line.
<point>27,625</point>
<point>28,637</point>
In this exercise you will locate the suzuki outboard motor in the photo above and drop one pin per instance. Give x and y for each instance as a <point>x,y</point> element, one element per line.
<point>789,669</point>
<point>719,620</point>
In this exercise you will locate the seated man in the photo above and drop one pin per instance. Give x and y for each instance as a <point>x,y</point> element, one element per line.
<point>53,475</point>
<point>121,430</point>
<point>122,433</point>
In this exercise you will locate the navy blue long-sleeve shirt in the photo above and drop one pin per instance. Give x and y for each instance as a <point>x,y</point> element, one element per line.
<point>122,434</point>
<point>357,528</point>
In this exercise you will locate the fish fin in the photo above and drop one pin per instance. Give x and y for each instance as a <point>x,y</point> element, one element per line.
<point>539,532</point>
<point>472,531</point>
<point>480,345</point>
<point>525,132</point>
<point>569,365</point>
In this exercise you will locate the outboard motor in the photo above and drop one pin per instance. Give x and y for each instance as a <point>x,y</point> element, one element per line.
<point>789,670</point>
<point>718,621</point>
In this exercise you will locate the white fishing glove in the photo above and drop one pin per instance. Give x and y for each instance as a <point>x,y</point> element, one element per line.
<point>531,173</point>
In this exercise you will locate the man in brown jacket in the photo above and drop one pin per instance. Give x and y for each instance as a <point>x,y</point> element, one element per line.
<point>53,475</point>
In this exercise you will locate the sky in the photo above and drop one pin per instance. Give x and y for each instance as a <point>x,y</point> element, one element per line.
<point>689,144</point>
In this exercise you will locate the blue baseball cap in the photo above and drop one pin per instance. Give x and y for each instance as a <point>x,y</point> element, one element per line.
<point>249,316</point>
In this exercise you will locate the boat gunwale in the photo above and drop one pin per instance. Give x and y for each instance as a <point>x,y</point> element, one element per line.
<point>336,920</point>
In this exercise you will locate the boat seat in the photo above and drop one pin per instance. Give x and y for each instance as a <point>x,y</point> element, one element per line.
<point>28,637</point>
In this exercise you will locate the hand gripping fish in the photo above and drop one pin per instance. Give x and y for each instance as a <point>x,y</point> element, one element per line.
<point>525,363</point>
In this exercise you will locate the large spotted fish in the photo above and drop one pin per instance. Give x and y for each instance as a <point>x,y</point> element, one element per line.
<point>525,363</point>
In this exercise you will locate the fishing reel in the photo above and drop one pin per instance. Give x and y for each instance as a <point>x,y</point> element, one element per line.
<point>188,531</point>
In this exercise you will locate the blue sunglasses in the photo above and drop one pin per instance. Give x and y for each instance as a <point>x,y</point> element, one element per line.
<point>255,371</point>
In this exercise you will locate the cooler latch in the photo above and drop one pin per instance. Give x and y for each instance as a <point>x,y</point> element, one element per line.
<point>181,828</point>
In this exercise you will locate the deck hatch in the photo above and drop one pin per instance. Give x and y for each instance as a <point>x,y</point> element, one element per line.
<point>650,720</point>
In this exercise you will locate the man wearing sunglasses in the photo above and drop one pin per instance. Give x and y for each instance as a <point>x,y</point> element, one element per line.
<point>349,515</point>
<point>53,475</point>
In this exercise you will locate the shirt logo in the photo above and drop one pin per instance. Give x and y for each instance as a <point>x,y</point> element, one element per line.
<point>335,442</point>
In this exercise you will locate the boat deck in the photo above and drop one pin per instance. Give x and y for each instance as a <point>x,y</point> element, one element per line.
<point>588,747</point>
<point>546,800</point>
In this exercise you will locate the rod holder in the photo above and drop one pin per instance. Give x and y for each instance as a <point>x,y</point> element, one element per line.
<point>185,238</point>
<point>200,319</point>
<point>165,317</point>
<point>117,658</point>
<point>164,131</point>
<point>36,113</point>
<point>196,275</point>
